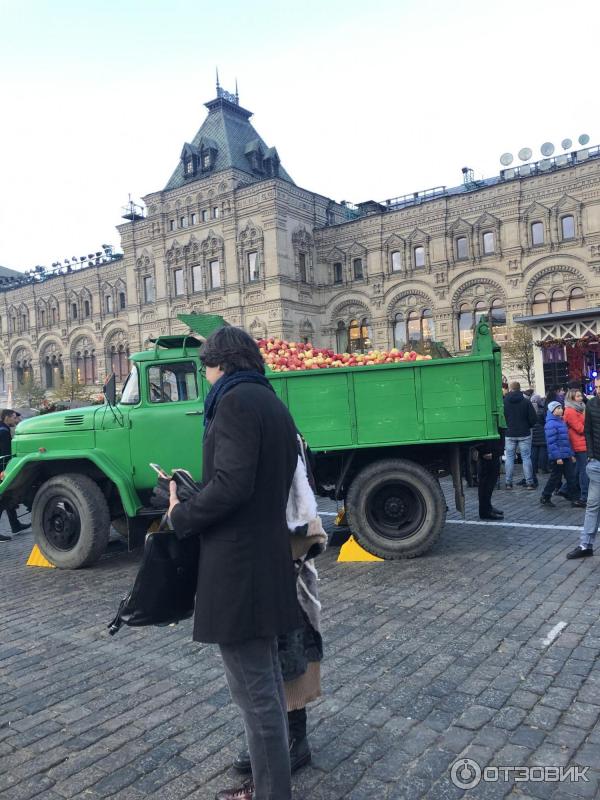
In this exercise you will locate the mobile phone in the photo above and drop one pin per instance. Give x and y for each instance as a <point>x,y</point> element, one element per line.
<point>159,470</point>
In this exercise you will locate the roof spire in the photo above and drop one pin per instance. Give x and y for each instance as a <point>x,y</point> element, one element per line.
<point>237,94</point>
<point>218,84</point>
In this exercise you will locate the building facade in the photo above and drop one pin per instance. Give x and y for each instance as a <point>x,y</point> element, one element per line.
<point>232,234</point>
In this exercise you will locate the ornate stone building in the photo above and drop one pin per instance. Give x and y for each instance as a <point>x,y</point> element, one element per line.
<point>231,233</point>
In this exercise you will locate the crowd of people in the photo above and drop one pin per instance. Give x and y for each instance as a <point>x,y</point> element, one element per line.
<point>557,436</point>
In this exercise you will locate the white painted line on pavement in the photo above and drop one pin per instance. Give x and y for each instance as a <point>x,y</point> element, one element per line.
<point>487,524</point>
<point>553,633</point>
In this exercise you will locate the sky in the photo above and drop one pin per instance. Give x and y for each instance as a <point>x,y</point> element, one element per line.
<point>364,101</point>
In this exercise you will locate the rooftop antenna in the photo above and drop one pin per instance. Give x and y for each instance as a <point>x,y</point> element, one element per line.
<point>506,159</point>
<point>237,94</point>
<point>566,144</point>
<point>218,84</point>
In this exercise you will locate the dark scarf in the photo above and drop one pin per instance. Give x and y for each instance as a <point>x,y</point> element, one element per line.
<point>227,382</point>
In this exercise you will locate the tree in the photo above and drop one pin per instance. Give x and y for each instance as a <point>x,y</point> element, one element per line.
<point>517,353</point>
<point>69,390</point>
<point>29,393</point>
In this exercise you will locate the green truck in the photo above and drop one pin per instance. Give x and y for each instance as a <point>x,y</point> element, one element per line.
<point>381,437</point>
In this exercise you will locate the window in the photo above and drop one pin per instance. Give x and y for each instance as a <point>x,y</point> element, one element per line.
<point>253,266</point>
<point>171,224</point>
<point>537,233</point>
<point>215,273</point>
<point>465,327</point>
<point>206,159</point>
<point>558,301</point>
<point>359,336</point>
<point>178,281</point>
<point>341,337</point>
<point>489,244</point>
<point>399,331</point>
<point>396,261</point>
<point>119,361</point>
<point>567,225</point>
<point>302,266</point>
<point>148,289</point>
<point>215,212</point>
<point>205,216</point>
<point>85,367</point>
<point>54,315</point>
<point>131,391</point>
<point>23,322</point>
<point>427,326</point>
<point>108,303</point>
<point>480,311</point>
<point>197,277</point>
<point>171,383</point>
<point>42,318</point>
<point>122,300</point>
<point>539,304</point>
<point>577,299</point>
<point>73,310</point>
<point>413,327</point>
<point>193,218</point>
<point>462,248</point>
<point>86,308</point>
<point>498,321</point>
<point>419,256</point>
<point>189,166</point>
<point>357,267</point>
<point>337,272</point>
<point>183,222</point>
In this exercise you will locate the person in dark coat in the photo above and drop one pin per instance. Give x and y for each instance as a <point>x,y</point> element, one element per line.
<point>560,455</point>
<point>591,430</point>
<point>520,419</point>
<point>488,467</point>
<point>539,451</point>
<point>246,595</point>
<point>9,419</point>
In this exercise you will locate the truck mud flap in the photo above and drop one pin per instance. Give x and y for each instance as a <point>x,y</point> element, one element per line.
<point>137,527</point>
<point>456,472</point>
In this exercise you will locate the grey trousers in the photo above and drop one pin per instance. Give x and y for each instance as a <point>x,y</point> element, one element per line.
<point>254,676</point>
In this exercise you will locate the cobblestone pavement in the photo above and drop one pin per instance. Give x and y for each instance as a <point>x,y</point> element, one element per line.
<point>444,656</point>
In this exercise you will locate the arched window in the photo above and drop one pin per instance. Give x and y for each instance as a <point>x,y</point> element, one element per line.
<point>539,304</point>
<point>365,333</point>
<point>537,233</point>
<point>576,299</point>
<point>54,371</point>
<point>480,311</point>
<point>396,261</point>
<point>122,300</point>
<point>86,308</point>
<point>108,300</point>
<point>341,337</point>
<point>413,327</point>
<point>558,301</point>
<point>359,336</point>
<point>89,366</point>
<point>465,327</point>
<point>399,331</point>
<point>489,244</point>
<point>462,248</point>
<point>567,227</point>
<point>427,326</point>
<point>119,361</point>
<point>497,314</point>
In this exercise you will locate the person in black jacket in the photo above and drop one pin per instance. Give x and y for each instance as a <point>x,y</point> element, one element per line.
<point>591,520</point>
<point>520,419</point>
<point>8,419</point>
<point>246,595</point>
<point>488,467</point>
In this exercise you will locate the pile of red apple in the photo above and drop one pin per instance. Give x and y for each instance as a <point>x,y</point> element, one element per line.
<point>282,356</point>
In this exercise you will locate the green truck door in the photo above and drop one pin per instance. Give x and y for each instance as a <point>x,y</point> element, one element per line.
<point>167,427</point>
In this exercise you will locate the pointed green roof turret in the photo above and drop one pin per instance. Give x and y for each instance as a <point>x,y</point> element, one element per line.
<point>226,140</point>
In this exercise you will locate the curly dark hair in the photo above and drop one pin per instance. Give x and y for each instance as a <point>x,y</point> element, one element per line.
<point>232,349</point>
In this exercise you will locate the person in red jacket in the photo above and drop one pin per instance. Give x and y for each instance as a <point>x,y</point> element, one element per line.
<point>575,418</point>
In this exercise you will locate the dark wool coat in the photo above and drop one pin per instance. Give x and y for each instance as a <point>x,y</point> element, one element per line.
<point>557,438</point>
<point>591,427</point>
<point>520,415</point>
<point>538,435</point>
<point>246,582</point>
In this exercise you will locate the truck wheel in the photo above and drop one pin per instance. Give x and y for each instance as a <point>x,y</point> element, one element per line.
<point>396,508</point>
<point>71,521</point>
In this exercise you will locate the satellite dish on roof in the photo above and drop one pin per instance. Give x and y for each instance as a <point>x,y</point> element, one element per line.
<point>506,159</point>
<point>547,149</point>
<point>525,153</point>
<point>583,139</point>
<point>566,144</point>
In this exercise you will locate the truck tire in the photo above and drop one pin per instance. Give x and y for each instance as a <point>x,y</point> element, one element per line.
<point>71,521</point>
<point>396,508</point>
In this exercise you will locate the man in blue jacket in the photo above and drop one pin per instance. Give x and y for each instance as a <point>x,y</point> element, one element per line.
<point>520,419</point>
<point>560,455</point>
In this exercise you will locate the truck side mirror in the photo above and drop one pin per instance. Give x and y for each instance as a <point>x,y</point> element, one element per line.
<point>109,390</point>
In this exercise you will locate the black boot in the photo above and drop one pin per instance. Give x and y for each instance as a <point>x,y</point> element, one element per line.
<point>299,749</point>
